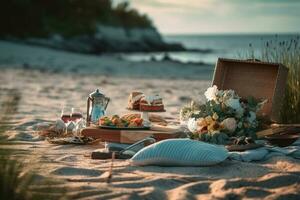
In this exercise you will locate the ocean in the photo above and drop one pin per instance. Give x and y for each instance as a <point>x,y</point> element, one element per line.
<point>211,47</point>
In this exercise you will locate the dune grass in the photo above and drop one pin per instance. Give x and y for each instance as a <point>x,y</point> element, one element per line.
<point>18,180</point>
<point>288,53</point>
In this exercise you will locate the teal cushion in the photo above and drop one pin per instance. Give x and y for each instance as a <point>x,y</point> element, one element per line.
<point>180,152</point>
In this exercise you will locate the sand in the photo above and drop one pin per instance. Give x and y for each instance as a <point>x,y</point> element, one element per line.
<point>42,91</point>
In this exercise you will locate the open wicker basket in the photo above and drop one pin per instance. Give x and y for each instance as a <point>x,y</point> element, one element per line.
<point>261,80</point>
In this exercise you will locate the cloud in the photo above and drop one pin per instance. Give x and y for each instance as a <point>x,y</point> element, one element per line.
<point>200,16</point>
<point>266,1</point>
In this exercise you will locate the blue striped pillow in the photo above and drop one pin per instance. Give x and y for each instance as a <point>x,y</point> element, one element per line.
<point>180,152</point>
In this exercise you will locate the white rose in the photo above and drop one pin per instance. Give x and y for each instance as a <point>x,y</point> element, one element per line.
<point>229,124</point>
<point>236,105</point>
<point>211,93</point>
<point>192,125</point>
<point>233,103</point>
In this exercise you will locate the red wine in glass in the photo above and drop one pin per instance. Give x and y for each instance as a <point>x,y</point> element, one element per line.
<point>75,115</point>
<point>66,118</point>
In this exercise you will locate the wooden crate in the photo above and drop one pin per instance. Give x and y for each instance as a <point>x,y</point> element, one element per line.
<point>261,80</point>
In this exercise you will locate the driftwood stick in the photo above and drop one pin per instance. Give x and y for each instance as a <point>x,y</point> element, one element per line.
<point>111,168</point>
<point>281,130</point>
<point>284,125</point>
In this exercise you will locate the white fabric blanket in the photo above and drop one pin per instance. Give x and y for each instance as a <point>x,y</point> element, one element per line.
<point>266,152</point>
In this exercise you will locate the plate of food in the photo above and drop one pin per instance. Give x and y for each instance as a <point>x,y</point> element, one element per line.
<point>117,123</point>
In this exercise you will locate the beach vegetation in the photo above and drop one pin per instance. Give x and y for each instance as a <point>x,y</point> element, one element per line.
<point>41,18</point>
<point>286,52</point>
<point>18,180</point>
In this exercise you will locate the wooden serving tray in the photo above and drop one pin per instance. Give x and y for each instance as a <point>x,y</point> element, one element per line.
<point>127,136</point>
<point>125,128</point>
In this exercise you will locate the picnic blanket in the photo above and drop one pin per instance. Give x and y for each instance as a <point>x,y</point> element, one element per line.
<point>266,152</point>
<point>259,154</point>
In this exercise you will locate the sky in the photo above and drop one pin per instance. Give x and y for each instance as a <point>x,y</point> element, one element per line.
<point>221,16</point>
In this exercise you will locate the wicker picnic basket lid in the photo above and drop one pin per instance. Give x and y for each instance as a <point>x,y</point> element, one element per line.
<point>262,80</point>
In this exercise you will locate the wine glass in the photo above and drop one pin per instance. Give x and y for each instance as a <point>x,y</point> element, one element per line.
<point>77,119</point>
<point>73,120</point>
<point>64,115</point>
<point>76,115</point>
<point>67,117</point>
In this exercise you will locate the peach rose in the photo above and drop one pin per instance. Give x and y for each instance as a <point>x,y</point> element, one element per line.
<point>229,124</point>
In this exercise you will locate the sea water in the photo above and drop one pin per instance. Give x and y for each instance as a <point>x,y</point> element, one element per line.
<point>208,48</point>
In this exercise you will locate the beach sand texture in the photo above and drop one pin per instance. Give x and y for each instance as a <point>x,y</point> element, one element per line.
<point>35,77</point>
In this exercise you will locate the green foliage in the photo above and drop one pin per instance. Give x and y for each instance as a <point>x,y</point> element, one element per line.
<point>17,180</point>
<point>16,183</point>
<point>216,138</point>
<point>287,53</point>
<point>40,18</point>
<point>11,181</point>
<point>192,110</point>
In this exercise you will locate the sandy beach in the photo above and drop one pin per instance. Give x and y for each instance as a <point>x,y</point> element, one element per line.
<point>45,80</point>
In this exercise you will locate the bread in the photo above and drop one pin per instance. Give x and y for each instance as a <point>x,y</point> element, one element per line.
<point>130,116</point>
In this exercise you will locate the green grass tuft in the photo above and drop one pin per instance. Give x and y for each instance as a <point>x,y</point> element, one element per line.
<point>17,180</point>
<point>287,53</point>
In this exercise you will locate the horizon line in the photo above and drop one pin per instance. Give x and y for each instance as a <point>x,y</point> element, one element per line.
<point>234,33</point>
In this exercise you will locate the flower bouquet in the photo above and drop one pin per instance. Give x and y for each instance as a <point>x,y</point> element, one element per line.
<point>224,115</point>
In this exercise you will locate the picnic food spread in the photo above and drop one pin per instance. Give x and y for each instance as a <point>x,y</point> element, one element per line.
<point>116,121</point>
<point>225,118</point>
<point>142,102</point>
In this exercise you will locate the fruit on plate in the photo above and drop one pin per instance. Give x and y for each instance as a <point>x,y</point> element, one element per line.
<point>116,121</point>
<point>137,121</point>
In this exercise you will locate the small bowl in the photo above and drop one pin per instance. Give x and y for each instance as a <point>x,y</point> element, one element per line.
<point>282,140</point>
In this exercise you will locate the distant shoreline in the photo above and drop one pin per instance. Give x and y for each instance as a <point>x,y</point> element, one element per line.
<point>228,34</point>
<point>35,58</point>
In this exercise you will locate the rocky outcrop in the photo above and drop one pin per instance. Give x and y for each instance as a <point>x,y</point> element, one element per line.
<point>110,39</point>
